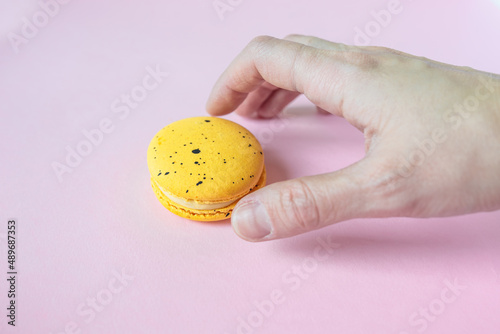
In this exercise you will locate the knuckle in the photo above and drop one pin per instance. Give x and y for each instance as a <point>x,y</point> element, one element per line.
<point>311,41</point>
<point>362,60</point>
<point>343,47</point>
<point>300,208</point>
<point>379,49</point>
<point>302,57</point>
<point>302,61</point>
<point>304,39</point>
<point>259,42</point>
<point>293,37</point>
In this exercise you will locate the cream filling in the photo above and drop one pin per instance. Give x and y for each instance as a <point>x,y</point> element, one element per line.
<point>191,204</point>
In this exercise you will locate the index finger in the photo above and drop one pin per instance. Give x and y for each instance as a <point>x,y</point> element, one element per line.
<point>282,63</point>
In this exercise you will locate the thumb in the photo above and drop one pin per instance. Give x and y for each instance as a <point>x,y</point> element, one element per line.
<point>296,206</point>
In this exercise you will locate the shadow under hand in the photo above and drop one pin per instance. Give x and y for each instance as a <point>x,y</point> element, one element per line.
<point>409,249</point>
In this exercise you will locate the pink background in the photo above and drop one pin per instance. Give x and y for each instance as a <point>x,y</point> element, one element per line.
<point>75,236</point>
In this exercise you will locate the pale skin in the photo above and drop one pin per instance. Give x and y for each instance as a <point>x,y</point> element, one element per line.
<point>400,102</point>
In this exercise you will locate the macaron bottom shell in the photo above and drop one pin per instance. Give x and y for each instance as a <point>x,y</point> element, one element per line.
<point>203,215</point>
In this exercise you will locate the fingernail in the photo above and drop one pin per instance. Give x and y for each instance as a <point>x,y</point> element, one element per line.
<point>251,221</point>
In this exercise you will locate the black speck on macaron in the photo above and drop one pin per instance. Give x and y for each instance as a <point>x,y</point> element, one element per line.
<point>200,182</point>
<point>196,151</point>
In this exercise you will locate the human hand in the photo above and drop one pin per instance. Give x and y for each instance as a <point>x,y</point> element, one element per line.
<point>432,133</point>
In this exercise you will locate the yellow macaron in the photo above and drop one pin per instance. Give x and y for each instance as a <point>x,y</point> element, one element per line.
<point>201,166</point>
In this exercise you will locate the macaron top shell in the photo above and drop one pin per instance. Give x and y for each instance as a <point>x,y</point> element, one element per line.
<point>205,159</point>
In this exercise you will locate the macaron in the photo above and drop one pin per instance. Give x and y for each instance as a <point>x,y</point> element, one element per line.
<point>201,166</point>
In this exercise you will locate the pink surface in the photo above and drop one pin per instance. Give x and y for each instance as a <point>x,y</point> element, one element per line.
<point>101,221</point>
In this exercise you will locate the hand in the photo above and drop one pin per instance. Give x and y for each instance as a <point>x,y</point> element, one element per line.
<point>432,133</point>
